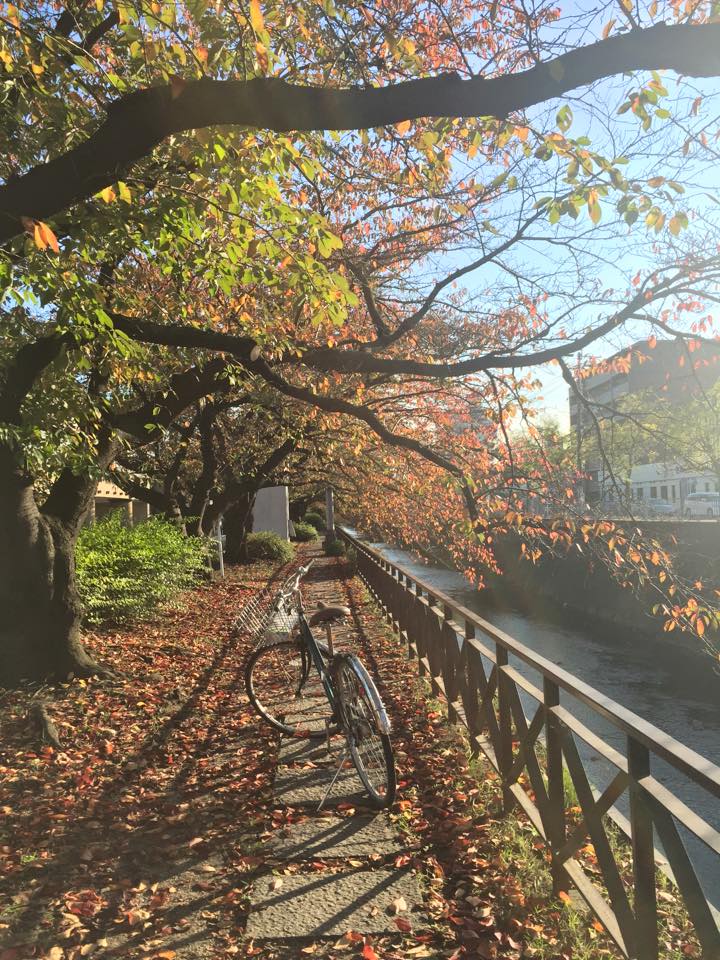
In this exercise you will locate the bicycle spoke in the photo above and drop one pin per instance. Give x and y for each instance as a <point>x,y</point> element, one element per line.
<point>368,745</point>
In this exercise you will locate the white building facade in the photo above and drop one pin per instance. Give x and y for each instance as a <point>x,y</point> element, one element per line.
<point>670,482</point>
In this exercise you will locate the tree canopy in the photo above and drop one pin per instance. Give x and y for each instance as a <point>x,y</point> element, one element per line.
<point>367,226</point>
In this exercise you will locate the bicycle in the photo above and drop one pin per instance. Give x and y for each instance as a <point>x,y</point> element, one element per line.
<point>292,678</point>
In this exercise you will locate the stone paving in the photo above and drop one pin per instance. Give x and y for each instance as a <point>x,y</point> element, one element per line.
<point>361,886</point>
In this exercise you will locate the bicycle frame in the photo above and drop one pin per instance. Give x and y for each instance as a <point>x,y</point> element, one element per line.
<point>291,589</point>
<point>311,645</point>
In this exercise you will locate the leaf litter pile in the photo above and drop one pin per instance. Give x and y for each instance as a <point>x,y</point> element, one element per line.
<point>141,835</point>
<point>121,842</point>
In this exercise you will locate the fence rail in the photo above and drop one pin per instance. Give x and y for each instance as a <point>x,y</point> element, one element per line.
<point>467,661</point>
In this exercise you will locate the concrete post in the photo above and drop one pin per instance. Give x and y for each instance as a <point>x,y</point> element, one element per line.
<point>218,539</point>
<point>329,515</point>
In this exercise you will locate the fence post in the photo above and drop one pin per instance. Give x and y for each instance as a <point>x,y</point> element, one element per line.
<point>646,946</point>
<point>556,786</point>
<point>504,755</point>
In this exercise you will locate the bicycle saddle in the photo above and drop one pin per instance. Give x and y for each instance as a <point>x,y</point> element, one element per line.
<point>328,614</point>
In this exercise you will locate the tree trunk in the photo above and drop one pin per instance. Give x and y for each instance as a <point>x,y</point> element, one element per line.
<point>237,524</point>
<point>40,623</point>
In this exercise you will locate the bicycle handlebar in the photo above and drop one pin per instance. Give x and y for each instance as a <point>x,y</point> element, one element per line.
<point>291,585</point>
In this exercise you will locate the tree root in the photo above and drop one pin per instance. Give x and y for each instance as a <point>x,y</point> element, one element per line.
<point>39,717</point>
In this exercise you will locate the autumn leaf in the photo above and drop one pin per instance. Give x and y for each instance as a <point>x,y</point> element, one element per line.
<point>108,195</point>
<point>368,953</point>
<point>403,126</point>
<point>399,904</point>
<point>44,237</point>
<point>262,56</point>
<point>256,16</point>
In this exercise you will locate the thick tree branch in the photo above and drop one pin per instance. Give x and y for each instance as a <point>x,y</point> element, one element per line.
<point>185,388</point>
<point>331,359</point>
<point>138,491</point>
<point>138,122</point>
<point>24,370</point>
<point>338,405</point>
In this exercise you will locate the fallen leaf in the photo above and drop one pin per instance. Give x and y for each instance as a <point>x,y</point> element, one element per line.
<point>399,904</point>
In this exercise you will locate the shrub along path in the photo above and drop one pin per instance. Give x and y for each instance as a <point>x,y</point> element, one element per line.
<point>171,823</point>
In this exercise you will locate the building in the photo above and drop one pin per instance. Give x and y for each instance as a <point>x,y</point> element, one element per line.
<point>670,369</point>
<point>670,482</point>
<point>109,497</point>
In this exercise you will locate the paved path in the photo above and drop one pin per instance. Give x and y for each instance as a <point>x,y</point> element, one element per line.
<point>343,869</point>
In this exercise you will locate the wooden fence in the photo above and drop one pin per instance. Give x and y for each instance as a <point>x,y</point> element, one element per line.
<point>469,663</point>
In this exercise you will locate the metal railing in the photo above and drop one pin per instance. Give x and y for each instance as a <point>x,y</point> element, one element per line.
<point>467,661</point>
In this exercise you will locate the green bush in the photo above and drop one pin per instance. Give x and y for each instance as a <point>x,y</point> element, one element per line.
<point>269,546</point>
<point>126,572</point>
<point>316,520</point>
<point>305,532</point>
<point>335,548</point>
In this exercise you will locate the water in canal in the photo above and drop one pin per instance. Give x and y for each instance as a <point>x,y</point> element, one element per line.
<point>667,683</point>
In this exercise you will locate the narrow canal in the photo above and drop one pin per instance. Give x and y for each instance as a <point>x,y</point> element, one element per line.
<point>667,683</point>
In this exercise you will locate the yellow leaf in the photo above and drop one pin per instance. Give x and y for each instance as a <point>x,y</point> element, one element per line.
<point>607,28</point>
<point>124,192</point>
<point>256,17</point>
<point>403,126</point>
<point>108,195</point>
<point>262,56</point>
<point>44,237</point>
<point>522,133</point>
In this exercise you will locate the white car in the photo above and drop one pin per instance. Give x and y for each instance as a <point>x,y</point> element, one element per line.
<point>702,505</point>
<point>660,508</point>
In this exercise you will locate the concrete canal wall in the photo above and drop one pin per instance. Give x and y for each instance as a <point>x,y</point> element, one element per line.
<point>576,586</point>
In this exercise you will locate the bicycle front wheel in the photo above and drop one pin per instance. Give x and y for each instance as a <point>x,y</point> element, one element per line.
<point>283,686</point>
<point>366,728</point>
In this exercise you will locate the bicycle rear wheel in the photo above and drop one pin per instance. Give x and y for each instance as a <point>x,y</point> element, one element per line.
<point>283,686</point>
<point>366,727</point>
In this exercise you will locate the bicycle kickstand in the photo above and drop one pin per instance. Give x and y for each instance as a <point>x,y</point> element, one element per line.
<point>334,779</point>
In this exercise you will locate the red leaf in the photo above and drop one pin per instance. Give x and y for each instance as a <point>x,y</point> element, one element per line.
<point>368,953</point>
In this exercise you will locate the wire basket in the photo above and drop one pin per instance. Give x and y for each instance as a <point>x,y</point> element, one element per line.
<point>269,615</point>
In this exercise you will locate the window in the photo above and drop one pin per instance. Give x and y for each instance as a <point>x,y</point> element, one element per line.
<point>674,496</point>
<point>653,493</point>
<point>693,487</point>
<point>663,493</point>
<point>639,493</point>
